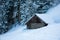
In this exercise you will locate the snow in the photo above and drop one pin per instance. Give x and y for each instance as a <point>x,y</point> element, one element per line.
<point>20,28</point>
<point>55,13</point>
<point>50,32</point>
<point>46,18</point>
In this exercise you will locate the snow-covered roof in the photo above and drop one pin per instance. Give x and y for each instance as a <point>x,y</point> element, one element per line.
<point>45,17</point>
<point>29,19</point>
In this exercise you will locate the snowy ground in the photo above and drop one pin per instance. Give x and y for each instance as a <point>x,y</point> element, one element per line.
<point>50,32</point>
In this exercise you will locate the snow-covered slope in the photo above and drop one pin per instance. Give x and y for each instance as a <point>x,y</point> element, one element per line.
<point>50,32</point>
<point>55,13</point>
<point>46,18</point>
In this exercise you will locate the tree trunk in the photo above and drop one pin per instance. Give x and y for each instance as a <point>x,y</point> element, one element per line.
<point>18,13</point>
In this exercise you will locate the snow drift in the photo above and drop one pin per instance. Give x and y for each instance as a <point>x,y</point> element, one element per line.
<point>51,32</point>
<point>55,13</point>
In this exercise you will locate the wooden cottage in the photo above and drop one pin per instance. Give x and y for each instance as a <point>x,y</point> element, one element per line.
<point>36,22</point>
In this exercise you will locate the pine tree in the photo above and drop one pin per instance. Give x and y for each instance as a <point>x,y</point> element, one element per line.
<point>18,13</point>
